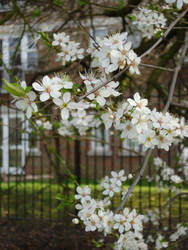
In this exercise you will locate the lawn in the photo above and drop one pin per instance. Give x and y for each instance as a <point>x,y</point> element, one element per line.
<point>35,199</point>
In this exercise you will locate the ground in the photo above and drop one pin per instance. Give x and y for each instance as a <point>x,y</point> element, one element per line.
<point>19,235</point>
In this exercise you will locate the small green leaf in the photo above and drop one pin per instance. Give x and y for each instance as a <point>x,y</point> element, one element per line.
<point>36,12</point>
<point>120,3</point>
<point>46,39</point>
<point>81,2</point>
<point>14,89</point>
<point>158,34</point>
<point>59,196</point>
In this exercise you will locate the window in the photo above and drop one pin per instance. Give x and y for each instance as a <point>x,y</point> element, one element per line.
<point>15,142</point>
<point>6,5</point>
<point>20,60</point>
<point>97,145</point>
<point>131,145</point>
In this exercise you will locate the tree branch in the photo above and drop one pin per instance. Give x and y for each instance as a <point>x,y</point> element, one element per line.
<point>155,67</point>
<point>173,198</point>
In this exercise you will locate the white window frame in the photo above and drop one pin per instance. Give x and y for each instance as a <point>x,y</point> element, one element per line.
<point>6,146</point>
<point>131,145</point>
<point>24,147</point>
<point>98,148</point>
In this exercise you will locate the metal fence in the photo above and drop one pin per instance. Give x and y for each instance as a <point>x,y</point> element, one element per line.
<point>35,169</point>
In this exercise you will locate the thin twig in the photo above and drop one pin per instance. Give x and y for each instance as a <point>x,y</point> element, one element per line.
<point>179,105</point>
<point>130,189</point>
<point>155,67</point>
<point>171,91</point>
<point>173,198</point>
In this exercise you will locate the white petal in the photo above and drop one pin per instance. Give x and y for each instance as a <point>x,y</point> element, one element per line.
<point>65,114</point>
<point>44,97</point>
<point>37,86</point>
<point>34,106</point>
<point>46,81</point>
<point>101,101</point>
<point>29,112</point>
<point>23,84</point>
<point>31,95</point>
<point>137,97</point>
<point>55,94</point>
<point>58,101</point>
<point>179,4</point>
<point>66,97</point>
<point>21,105</point>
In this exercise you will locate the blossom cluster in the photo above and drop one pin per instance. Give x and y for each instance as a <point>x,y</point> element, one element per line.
<point>148,22</point>
<point>69,50</point>
<point>148,127</point>
<point>104,92</point>
<point>41,123</point>
<point>165,174</point>
<point>161,240</point>
<point>27,102</point>
<point>181,231</point>
<point>113,53</point>
<point>96,215</point>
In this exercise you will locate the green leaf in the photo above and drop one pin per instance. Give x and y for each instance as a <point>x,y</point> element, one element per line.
<point>46,39</point>
<point>36,12</point>
<point>58,2</point>
<point>59,196</point>
<point>158,34</point>
<point>132,18</point>
<point>81,2</point>
<point>120,4</point>
<point>14,89</point>
<point>60,206</point>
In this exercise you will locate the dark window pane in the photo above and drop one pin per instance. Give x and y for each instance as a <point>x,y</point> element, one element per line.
<point>32,59</point>
<point>1,131</point>
<point>1,157</point>
<point>15,131</point>
<point>15,158</point>
<point>31,42</point>
<point>16,59</point>
<point>1,51</point>
<point>33,140</point>
<point>1,79</point>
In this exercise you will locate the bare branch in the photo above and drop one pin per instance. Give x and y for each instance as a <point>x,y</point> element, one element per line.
<point>155,67</point>
<point>130,189</point>
<point>180,105</point>
<point>173,198</point>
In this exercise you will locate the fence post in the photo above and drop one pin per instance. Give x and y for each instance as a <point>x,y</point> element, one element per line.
<point>77,160</point>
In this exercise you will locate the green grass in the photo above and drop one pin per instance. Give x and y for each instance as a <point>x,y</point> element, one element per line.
<point>38,200</point>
